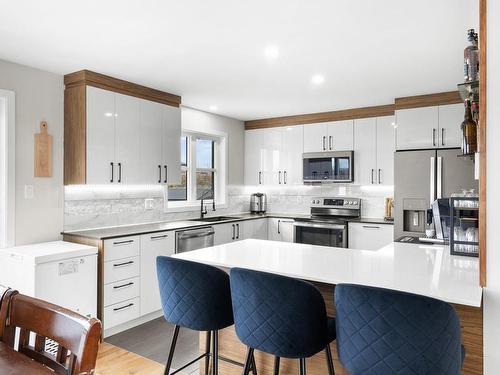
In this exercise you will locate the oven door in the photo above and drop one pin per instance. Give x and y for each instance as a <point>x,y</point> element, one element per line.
<point>322,234</point>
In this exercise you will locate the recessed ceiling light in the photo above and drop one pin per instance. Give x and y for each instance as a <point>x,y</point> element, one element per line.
<point>213,108</point>
<point>271,52</point>
<point>317,79</point>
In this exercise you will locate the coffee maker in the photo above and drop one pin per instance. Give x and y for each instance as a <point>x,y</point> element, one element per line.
<point>258,203</point>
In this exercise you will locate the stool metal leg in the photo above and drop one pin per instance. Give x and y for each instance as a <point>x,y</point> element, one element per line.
<point>302,367</point>
<point>172,349</point>
<point>215,351</point>
<point>207,352</point>
<point>329,360</point>
<point>254,366</point>
<point>248,361</point>
<point>276,370</point>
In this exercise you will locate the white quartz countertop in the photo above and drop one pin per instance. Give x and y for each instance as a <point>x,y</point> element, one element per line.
<point>427,270</point>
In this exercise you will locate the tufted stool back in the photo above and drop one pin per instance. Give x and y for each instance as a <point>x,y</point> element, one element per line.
<point>194,295</point>
<point>382,331</point>
<point>279,315</point>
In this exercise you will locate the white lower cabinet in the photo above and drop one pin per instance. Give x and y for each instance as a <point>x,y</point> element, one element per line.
<point>153,245</point>
<point>122,312</point>
<point>229,232</point>
<point>280,229</point>
<point>368,236</point>
<point>255,229</point>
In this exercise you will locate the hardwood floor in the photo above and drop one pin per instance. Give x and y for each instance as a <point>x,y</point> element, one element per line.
<point>113,360</point>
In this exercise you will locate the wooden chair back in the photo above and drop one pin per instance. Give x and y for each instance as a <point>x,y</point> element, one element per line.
<point>77,337</point>
<point>5,293</point>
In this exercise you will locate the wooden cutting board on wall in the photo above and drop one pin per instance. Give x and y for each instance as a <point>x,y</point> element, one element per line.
<point>43,152</point>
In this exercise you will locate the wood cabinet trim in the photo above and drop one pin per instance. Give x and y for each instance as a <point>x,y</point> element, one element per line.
<point>482,140</point>
<point>90,78</point>
<point>75,135</point>
<point>311,118</point>
<point>429,100</point>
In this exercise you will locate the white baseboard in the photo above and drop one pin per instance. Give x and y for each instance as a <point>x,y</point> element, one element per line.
<point>133,323</point>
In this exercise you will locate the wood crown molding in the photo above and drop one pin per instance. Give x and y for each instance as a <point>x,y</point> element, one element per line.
<point>443,98</point>
<point>429,100</point>
<point>311,118</point>
<point>89,78</point>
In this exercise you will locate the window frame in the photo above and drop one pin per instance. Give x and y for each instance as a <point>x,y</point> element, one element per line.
<point>219,169</point>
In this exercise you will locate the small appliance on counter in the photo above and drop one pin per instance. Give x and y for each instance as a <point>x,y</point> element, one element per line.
<point>258,203</point>
<point>389,205</point>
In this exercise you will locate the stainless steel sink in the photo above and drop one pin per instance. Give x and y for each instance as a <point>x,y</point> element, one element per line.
<point>217,219</point>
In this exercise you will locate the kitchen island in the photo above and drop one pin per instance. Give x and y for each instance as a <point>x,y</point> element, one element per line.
<point>421,269</point>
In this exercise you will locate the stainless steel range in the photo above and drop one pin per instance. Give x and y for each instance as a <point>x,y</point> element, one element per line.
<point>327,225</point>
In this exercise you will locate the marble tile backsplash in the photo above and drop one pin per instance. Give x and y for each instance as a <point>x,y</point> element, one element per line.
<point>106,206</point>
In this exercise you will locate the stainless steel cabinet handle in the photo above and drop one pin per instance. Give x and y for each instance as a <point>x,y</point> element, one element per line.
<point>260,178</point>
<point>123,242</point>
<point>279,221</point>
<point>238,232</point>
<point>234,232</point>
<point>370,227</point>
<point>166,174</point>
<point>119,172</point>
<point>324,143</point>
<point>379,178</point>
<point>442,136</point>
<point>279,177</point>
<point>123,286</point>
<point>123,264</point>
<point>159,237</point>
<point>112,171</point>
<point>284,177</point>
<point>330,144</point>
<point>159,174</point>
<point>373,170</point>
<point>434,137</point>
<point>123,307</point>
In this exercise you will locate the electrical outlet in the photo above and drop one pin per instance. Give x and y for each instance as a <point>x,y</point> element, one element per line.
<point>148,204</point>
<point>29,192</point>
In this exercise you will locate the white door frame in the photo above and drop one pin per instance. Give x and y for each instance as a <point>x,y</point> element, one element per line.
<point>7,167</point>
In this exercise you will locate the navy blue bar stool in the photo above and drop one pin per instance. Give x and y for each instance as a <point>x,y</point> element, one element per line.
<point>198,297</point>
<point>281,316</point>
<point>382,331</point>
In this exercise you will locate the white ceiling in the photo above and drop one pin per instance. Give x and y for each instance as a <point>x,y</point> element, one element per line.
<point>213,52</point>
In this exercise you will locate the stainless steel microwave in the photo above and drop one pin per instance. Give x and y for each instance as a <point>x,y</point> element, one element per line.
<point>336,166</point>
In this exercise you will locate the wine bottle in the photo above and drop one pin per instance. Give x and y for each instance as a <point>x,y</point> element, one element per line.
<point>469,131</point>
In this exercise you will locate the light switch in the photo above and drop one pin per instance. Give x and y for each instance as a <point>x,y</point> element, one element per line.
<point>148,204</point>
<point>29,192</point>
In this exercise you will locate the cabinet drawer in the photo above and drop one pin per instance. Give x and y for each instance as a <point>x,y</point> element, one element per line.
<point>118,248</point>
<point>121,313</point>
<point>121,291</point>
<point>367,236</point>
<point>121,269</point>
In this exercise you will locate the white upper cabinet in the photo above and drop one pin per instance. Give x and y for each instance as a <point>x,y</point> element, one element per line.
<point>127,139</point>
<point>429,127</point>
<point>100,136</point>
<point>273,156</point>
<point>131,140</point>
<point>329,136</point>
<point>374,151</point>
<point>417,128</point>
<point>386,146</point>
<point>365,151</point>
<point>450,119</point>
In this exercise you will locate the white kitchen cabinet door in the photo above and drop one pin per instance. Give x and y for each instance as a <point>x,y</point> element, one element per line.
<point>271,138</point>
<point>255,229</point>
<point>292,143</point>
<point>229,232</point>
<point>365,151</point>
<point>286,230</point>
<point>272,229</point>
<point>386,146</point>
<point>171,145</point>
<point>254,156</point>
<point>151,140</point>
<point>450,119</point>
<point>153,245</point>
<point>101,165</point>
<point>417,128</point>
<point>315,137</point>
<point>340,135</point>
<point>127,137</point>
<point>366,236</point>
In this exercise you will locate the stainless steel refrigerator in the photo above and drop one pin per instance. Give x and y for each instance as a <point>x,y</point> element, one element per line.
<point>422,176</point>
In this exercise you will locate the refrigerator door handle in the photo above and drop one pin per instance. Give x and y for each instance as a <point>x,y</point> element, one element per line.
<point>439,177</point>
<point>433,176</point>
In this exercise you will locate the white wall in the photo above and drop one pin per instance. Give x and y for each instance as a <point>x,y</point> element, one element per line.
<point>193,119</point>
<point>492,292</point>
<point>39,96</point>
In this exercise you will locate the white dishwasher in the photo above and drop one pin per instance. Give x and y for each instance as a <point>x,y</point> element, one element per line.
<point>59,272</point>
